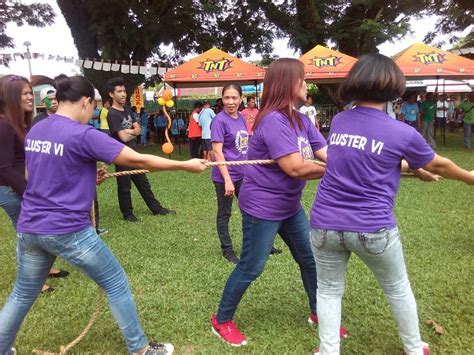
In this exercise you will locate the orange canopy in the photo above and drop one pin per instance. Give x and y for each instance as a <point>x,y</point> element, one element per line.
<point>423,61</point>
<point>324,65</point>
<point>211,67</point>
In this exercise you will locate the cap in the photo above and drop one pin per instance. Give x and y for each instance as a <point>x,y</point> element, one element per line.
<point>47,91</point>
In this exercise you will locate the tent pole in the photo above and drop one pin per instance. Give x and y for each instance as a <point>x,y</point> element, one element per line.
<point>257,99</point>
<point>445,112</point>
<point>176,96</point>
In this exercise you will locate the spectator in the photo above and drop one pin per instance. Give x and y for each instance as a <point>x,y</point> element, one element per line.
<point>310,111</point>
<point>467,110</point>
<point>428,111</point>
<point>161,122</point>
<point>125,129</point>
<point>16,110</point>
<point>410,111</point>
<point>144,116</point>
<point>250,113</point>
<point>104,126</point>
<point>48,98</point>
<point>205,118</point>
<point>441,113</point>
<point>195,131</point>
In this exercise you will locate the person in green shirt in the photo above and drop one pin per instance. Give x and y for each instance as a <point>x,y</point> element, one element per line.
<point>467,109</point>
<point>428,111</point>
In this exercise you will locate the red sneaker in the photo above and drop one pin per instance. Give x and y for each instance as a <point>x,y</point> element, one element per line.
<point>313,320</point>
<point>426,348</point>
<point>228,332</point>
<point>316,351</point>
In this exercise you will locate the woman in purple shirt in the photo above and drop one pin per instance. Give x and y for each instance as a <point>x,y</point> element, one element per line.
<point>230,140</point>
<point>61,155</point>
<point>353,210</point>
<point>270,196</point>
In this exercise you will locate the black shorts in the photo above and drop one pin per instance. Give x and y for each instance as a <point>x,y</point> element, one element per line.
<point>206,145</point>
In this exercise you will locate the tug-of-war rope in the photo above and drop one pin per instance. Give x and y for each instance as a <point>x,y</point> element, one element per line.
<point>100,297</point>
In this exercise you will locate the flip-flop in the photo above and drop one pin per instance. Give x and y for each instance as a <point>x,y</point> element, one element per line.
<point>49,289</point>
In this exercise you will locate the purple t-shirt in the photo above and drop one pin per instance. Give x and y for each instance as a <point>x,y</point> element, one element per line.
<point>232,133</point>
<point>358,190</point>
<point>61,157</point>
<point>267,192</point>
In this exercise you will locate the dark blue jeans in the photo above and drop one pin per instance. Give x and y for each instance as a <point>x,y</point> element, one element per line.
<point>259,235</point>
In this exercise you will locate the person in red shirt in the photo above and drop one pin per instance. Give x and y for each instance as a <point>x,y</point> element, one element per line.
<point>195,131</point>
<point>250,113</point>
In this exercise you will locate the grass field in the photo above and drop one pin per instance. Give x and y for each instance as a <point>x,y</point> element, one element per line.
<point>177,275</point>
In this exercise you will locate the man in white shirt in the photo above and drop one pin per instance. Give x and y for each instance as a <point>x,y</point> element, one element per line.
<point>442,107</point>
<point>309,110</point>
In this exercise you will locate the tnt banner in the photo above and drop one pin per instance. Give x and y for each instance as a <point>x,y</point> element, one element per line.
<point>214,65</point>
<point>323,64</point>
<point>423,61</point>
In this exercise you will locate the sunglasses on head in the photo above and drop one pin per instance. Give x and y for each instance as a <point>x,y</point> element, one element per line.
<point>16,77</point>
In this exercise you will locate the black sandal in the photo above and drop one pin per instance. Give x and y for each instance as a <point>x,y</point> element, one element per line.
<point>49,289</point>
<point>60,274</point>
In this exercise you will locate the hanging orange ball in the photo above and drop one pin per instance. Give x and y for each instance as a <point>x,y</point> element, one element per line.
<point>166,95</point>
<point>167,148</point>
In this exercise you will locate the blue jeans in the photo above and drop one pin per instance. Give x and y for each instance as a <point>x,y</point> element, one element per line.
<point>259,235</point>
<point>382,252</point>
<point>11,203</point>
<point>468,128</point>
<point>84,250</point>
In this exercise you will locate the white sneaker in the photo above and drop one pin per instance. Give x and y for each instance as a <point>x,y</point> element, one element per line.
<point>159,349</point>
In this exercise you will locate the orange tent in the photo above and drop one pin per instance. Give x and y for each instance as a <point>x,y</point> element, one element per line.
<point>211,67</point>
<point>423,61</point>
<point>324,65</point>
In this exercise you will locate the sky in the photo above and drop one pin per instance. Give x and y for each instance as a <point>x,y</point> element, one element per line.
<point>57,40</point>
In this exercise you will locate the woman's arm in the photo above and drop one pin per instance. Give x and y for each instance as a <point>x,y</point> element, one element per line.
<point>295,166</point>
<point>446,168</point>
<point>219,156</point>
<point>129,157</point>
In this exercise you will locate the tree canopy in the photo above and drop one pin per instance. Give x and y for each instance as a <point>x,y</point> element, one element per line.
<point>34,14</point>
<point>140,30</point>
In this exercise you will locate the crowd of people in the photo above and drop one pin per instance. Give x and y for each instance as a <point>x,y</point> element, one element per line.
<point>432,111</point>
<point>352,213</point>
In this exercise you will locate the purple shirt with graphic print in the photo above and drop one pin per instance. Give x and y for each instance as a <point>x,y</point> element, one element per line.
<point>267,192</point>
<point>61,157</point>
<point>358,190</point>
<point>232,133</point>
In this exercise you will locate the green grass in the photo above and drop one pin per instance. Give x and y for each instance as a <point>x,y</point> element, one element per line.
<point>177,275</point>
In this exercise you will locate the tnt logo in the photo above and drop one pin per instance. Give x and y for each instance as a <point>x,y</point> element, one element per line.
<point>215,65</point>
<point>322,62</point>
<point>430,58</point>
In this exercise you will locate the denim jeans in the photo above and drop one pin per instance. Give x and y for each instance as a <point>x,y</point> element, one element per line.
<point>84,250</point>
<point>11,203</point>
<point>258,239</point>
<point>382,252</point>
<point>224,211</point>
<point>468,128</point>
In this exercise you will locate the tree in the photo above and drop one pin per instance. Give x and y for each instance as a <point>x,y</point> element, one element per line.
<point>35,14</point>
<point>355,27</point>
<point>138,30</point>
<point>453,16</point>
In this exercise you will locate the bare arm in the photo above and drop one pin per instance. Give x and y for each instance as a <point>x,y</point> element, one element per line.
<point>219,156</point>
<point>446,168</point>
<point>422,174</point>
<point>295,166</point>
<point>322,154</point>
<point>129,157</point>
